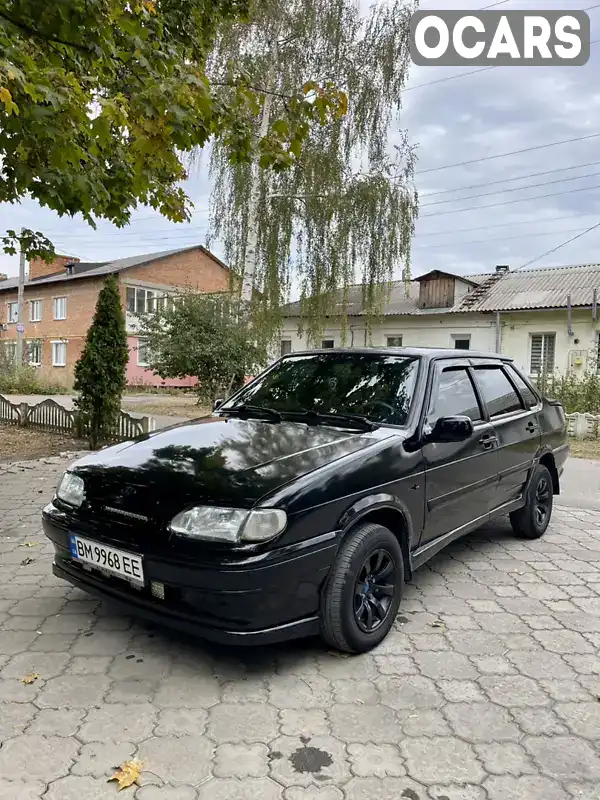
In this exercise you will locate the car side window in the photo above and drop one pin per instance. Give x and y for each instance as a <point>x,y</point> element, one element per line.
<point>527,394</point>
<point>497,391</point>
<point>454,395</point>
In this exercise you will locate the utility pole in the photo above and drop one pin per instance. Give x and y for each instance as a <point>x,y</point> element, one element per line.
<point>21,304</point>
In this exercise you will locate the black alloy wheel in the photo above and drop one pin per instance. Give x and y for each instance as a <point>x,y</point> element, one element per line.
<point>374,590</point>
<point>533,519</point>
<point>361,596</point>
<point>542,502</point>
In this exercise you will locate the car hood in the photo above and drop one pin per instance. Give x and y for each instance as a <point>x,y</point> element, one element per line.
<point>214,460</point>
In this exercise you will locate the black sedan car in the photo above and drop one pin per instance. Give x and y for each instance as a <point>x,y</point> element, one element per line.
<point>304,503</point>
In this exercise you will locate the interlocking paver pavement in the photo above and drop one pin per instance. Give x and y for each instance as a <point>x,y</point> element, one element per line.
<point>487,689</point>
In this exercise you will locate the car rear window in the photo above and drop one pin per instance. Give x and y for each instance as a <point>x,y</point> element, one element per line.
<point>497,391</point>
<point>525,391</point>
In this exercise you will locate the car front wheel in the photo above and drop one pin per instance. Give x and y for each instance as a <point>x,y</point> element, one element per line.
<point>362,594</point>
<point>533,519</point>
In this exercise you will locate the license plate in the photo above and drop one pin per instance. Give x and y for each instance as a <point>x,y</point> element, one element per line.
<point>108,559</point>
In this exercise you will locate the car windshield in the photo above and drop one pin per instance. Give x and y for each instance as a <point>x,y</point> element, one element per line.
<point>377,386</point>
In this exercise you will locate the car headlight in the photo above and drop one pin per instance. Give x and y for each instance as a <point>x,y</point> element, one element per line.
<point>71,490</point>
<point>229,524</point>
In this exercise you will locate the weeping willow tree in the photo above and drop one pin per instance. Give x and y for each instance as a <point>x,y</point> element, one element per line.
<point>341,208</point>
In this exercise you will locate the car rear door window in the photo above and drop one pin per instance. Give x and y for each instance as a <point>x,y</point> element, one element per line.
<point>497,391</point>
<point>454,396</point>
<point>525,391</point>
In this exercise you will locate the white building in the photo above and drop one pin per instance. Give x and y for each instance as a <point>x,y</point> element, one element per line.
<point>543,318</point>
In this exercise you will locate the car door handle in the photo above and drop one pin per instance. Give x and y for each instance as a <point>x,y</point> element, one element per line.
<point>488,440</point>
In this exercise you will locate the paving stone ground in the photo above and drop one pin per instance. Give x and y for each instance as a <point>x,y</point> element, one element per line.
<point>487,688</point>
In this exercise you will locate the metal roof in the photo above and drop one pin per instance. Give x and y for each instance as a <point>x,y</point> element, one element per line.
<point>542,288</point>
<point>98,269</point>
<point>398,303</point>
<point>506,291</point>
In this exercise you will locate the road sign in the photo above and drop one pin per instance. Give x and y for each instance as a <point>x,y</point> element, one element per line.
<point>20,328</point>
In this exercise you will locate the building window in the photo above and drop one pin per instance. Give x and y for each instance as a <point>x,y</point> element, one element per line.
<point>34,350</point>
<point>143,301</point>
<point>13,312</point>
<point>327,344</point>
<point>35,311</point>
<point>142,353</point>
<point>285,347</point>
<point>60,308</point>
<point>59,354</point>
<point>462,341</point>
<point>542,353</point>
<point>394,341</point>
<point>10,349</point>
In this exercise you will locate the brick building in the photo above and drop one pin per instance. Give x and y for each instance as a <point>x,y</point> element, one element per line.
<point>60,299</point>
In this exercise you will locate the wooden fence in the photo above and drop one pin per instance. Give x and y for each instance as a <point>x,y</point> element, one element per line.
<point>51,416</point>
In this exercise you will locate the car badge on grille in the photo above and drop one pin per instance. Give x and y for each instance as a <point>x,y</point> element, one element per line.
<point>129,514</point>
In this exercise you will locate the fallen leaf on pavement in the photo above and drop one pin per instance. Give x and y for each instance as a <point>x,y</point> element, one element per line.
<point>338,655</point>
<point>29,544</point>
<point>127,774</point>
<point>436,624</point>
<point>26,561</point>
<point>31,678</point>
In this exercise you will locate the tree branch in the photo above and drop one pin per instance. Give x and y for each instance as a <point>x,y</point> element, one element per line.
<point>253,88</point>
<point>38,35</point>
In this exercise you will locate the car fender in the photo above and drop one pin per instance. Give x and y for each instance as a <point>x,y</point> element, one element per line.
<point>381,501</point>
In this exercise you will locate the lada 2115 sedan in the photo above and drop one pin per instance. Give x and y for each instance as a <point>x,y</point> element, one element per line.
<point>307,499</point>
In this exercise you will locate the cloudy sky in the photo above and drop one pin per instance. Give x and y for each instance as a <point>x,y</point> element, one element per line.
<point>454,115</point>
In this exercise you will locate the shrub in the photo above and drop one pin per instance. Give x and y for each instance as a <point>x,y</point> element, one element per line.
<point>578,392</point>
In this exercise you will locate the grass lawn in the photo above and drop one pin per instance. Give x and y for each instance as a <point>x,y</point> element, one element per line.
<point>585,448</point>
<point>166,406</point>
<point>24,444</point>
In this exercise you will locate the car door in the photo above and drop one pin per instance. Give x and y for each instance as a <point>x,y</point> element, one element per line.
<point>460,477</point>
<point>513,413</point>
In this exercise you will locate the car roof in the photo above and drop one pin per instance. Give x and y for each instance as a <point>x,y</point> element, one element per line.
<point>429,353</point>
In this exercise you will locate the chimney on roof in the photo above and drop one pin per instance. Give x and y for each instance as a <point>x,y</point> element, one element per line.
<point>38,268</point>
<point>502,268</point>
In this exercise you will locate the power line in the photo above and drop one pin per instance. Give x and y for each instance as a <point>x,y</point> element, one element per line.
<point>510,153</point>
<point>504,225</point>
<point>93,237</point>
<point>498,239</point>
<point>514,189</point>
<point>508,180</point>
<point>509,202</point>
<point>558,247</point>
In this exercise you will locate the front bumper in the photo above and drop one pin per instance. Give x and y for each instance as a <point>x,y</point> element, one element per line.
<point>261,600</point>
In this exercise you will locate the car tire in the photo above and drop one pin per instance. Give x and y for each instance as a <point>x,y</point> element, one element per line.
<point>365,586</point>
<point>533,519</point>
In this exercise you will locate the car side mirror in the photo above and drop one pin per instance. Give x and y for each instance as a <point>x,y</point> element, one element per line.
<point>218,403</point>
<point>450,429</point>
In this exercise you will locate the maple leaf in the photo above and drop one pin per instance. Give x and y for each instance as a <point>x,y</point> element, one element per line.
<point>127,774</point>
<point>29,679</point>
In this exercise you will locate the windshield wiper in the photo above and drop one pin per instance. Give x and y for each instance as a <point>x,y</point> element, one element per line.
<point>248,410</point>
<point>324,418</point>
